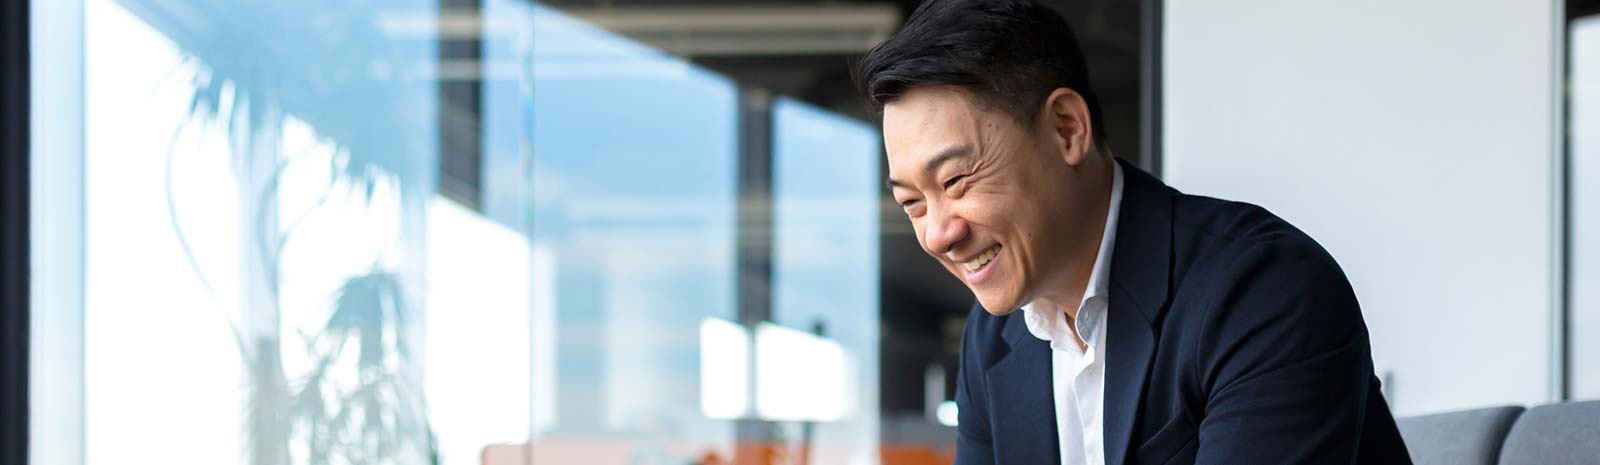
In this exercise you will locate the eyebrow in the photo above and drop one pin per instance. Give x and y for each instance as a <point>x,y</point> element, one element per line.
<point>949,153</point>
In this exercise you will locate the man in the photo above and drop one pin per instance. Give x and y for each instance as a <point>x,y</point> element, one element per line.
<point>1119,321</point>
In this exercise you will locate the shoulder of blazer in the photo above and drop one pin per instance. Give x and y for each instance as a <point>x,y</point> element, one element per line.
<point>983,335</point>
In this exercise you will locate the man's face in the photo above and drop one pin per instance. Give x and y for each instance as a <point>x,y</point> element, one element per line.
<point>994,203</point>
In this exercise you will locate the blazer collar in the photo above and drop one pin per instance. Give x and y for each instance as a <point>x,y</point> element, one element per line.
<point>1142,253</point>
<point>1021,397</point>
<point>1141,270</point>
<point>1142,259</point>
<point>1021,400</point>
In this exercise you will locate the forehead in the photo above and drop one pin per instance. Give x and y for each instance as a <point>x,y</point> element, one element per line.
<point>924,112</point>
<point>927,120</point>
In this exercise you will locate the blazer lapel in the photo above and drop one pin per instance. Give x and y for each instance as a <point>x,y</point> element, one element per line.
<point>1020,393</point>
<point>1140,271</point>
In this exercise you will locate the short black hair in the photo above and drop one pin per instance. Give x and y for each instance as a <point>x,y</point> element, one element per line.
<point>1008,54</point>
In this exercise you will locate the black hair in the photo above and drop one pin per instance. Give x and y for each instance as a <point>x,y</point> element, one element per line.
<point>1008,54</point>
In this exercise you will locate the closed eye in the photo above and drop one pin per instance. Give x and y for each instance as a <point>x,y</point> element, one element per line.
<point>952,182</point>
<point>909,203</point>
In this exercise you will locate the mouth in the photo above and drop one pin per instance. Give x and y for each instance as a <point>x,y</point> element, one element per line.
<point>981,267</point>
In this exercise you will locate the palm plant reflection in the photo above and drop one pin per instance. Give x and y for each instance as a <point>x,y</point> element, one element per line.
<point>370,94</point>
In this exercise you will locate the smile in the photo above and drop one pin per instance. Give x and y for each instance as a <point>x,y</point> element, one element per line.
<point>980,268</point>
<point>982,259</point>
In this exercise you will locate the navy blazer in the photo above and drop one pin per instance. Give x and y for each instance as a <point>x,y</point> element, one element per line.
<point>1232,338</point>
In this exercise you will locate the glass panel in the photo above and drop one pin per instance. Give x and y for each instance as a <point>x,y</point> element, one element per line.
<point>634,197</point>
<point>273,272</point>
<point>825,277</point>
<point>269,275</point>
<point>1584,223</point>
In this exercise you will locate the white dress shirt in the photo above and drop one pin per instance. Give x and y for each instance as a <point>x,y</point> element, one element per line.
<point>1078,376</point>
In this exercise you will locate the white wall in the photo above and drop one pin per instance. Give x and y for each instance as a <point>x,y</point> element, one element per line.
<point>1413,139</point>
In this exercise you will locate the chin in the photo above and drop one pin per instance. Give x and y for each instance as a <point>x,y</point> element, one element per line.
<point>998,305</point>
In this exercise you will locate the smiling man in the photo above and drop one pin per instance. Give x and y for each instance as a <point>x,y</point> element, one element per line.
<point>1119,321</point>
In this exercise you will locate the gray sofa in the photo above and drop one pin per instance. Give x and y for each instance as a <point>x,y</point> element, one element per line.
<point>1556,434</point>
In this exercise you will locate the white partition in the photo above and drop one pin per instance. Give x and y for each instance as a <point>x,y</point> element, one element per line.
<point>1413,139</point>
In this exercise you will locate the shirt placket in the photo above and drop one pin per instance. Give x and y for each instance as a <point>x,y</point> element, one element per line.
<point>1084,378</point>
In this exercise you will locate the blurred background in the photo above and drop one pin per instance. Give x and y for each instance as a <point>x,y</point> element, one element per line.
<point>512,232</point>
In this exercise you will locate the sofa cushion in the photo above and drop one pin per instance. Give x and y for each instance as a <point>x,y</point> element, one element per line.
<point>1469,437</point>
<point>1555,434</point>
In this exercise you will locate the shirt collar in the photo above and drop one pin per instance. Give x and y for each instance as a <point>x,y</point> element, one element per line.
<point>1050,321</point>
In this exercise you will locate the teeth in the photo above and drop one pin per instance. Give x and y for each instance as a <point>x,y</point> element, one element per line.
<point>983,259</point>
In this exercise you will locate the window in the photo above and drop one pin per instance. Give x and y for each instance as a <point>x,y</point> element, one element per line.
<point>267,243</point>
<point>1583,207</point>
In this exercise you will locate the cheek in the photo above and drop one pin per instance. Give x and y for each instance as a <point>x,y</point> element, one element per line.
<point>989,210</point>
<point>920,230</point>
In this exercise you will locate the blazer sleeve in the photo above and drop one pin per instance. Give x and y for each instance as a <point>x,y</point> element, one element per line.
<point>974,445</point>
<point>1284,361</point>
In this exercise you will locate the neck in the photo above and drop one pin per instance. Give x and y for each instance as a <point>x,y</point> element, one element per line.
<point>1068,291</point>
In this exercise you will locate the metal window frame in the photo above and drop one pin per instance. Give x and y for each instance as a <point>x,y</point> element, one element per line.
<point>14,228</point>
<point>1561,356</point>
<point>754,241</point>
<point>1151,54</point>
<point>1560,383</point>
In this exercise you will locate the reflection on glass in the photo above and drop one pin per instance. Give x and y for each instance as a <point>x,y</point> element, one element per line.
<point>271,275</point>
<point>634,193</point>
<point>270,278</point>
<point>826,185</point>
<point>724,369</point>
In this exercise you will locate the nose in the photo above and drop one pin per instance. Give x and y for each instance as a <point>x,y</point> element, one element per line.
<point>944,231</point>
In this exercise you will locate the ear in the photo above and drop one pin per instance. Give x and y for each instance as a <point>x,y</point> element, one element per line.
<point>1064,121</point>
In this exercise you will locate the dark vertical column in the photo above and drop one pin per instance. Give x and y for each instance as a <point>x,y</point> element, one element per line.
<point>14,244</point>
<point>460,101</point>
<point>755,241</point>
<point>1563,384</point>
<point>1150,76</point>
<point>755,207</point>
<point>1562,378</point>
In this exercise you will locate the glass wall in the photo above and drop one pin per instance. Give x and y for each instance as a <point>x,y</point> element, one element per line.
<point>634,162</point>
<point>825,190</point>
<point>425,231</point>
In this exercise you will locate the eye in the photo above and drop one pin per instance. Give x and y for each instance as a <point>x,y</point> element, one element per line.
<point>908,203</point>
<point>952,182</point>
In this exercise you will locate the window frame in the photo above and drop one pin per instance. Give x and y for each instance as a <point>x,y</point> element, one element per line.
<point>14,229</point>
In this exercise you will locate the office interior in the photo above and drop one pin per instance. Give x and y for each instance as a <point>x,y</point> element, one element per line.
<point>511,232</point>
